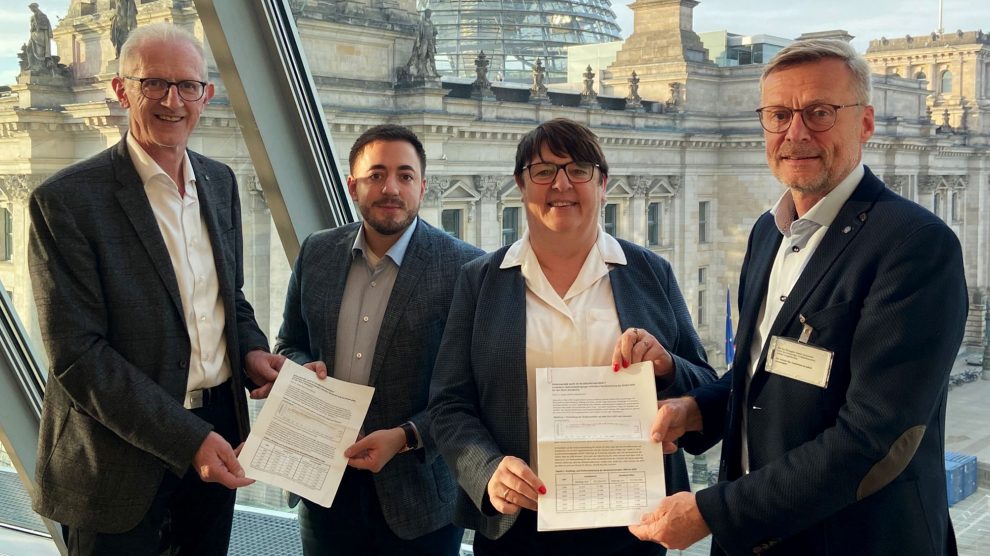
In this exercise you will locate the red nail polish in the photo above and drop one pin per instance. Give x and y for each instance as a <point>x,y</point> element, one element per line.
<point>615,367</point>
<point>624,363</point>
<point>543,490</point>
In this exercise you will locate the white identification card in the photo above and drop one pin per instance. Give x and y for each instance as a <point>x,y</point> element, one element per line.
<point>800,361</point>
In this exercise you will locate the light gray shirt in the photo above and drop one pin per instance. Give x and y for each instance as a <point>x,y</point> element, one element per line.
<point>362,308</point>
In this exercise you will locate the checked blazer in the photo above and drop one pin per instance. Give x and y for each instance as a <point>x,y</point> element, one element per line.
<point>414,488</point>
<point>113,326</point>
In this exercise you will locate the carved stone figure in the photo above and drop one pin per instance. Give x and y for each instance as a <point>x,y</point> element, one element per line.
<point>538,92</point>
<point>588,96</point>
<point>123,22</point>
<point>482,87</point>
<point>634,101</point>
<point>39,46</point>
<point>422,63</point>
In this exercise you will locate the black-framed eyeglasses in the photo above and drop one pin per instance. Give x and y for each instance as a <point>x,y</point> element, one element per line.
<point>544,173</point>
<point>817,117</point>
<point>156,88</point>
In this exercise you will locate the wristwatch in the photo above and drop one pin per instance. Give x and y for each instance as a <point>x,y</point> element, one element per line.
<point>411,441</point>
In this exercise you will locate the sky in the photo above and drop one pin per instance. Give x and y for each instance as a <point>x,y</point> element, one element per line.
<point>864,19</point>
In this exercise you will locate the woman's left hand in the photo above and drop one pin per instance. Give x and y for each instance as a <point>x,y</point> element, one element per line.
<point>637,345</point>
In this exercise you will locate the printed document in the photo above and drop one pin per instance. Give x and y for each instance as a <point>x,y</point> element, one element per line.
<point>595,454</point>
<point>298,441</point>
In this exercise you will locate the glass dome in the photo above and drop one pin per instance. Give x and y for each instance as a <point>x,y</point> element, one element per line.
<point>514,33</point>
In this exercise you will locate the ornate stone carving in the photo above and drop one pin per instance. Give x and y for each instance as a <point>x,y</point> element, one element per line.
<point>482,87</point>
<point>435,186</point>
<point>538,92</point>
<point>124,21</point>
<point>641,185</point>
<point>676,99</point>
<point>422,66</point>
<point>896,183</point>
<point>18,187</point>
<point>634,101</point>
<point>589,97</point>
<point>488,186</point>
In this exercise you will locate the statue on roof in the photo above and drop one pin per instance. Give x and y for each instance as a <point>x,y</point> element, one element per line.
<point>123,22</point>
<point>39,45</point>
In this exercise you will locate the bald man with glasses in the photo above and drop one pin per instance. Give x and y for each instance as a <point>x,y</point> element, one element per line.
<point>852,304</point>
<point>136,263</point>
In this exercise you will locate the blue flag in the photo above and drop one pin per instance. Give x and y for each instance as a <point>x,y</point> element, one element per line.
<point>730,349</point>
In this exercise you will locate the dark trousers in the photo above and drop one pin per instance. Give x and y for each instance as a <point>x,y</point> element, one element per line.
<point>523,539</point>
<point>354,524</point>
<point>186,517</point>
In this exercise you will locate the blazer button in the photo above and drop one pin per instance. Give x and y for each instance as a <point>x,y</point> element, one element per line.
<point>183,364</point>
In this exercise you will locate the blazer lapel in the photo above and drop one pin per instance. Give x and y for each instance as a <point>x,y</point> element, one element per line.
<point>134,202</point>
<point>764,251</point>
<point>414,264</point>
<point>209,192</point>
<point>840,234</point>
<point>336,282</point>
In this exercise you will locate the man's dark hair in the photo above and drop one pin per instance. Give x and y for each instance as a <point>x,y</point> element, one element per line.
<point>388,132</point>
<point>564,138</point>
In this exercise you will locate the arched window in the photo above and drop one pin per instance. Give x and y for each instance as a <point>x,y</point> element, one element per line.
<point>946,82</point>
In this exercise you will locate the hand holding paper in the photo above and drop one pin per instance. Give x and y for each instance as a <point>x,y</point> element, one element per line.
<point>299,438</point>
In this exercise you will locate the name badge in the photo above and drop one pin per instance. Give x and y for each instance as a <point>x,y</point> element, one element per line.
<point>800,361</point>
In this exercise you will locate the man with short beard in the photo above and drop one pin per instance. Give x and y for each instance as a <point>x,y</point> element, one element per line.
<point>367,303</point>
<point>852,304</point>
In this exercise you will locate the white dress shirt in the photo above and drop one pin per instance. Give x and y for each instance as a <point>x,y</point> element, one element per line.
<point>801,238</point>
<point>189,248</point>
<point>577,330</point>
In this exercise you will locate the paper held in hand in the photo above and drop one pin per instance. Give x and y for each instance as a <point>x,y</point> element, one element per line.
<point>595,454</point>
<point>298,441</point>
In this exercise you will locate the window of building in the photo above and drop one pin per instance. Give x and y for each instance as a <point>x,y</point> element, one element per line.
<point>956,206</point>
<point>702,303</point>
<point>610,219</point>
<point>704,209</point>
<point>7,233</point>
<point>510,225</point>
<point>653,224</point>
<point>946,82</point>
<point>450,221</point>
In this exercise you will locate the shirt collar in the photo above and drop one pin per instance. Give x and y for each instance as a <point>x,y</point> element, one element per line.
<point>609,248</point>
<point>397,252</point>
<point>147,168</point>
<point>824,211</point>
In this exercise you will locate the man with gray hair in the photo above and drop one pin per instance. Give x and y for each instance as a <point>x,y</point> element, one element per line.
<point>136,263</point>
<point>852,304</point>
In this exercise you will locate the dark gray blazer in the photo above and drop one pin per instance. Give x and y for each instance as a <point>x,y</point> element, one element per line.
<point>414,488</point>
<point>112,322</point>
<point>855,467</point>
<point>478,396</point>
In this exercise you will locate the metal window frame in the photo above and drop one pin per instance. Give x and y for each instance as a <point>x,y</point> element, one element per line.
<point>281,119</point>
<point>273,95</point>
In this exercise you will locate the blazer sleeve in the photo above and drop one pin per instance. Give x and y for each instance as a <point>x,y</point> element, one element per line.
<point>908,332</point>
<point>72,312</point>
<point>464,441</point>
<point>691,367</point>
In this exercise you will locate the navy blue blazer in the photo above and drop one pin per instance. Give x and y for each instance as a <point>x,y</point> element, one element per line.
<point>478,395</point>
<point>855,467</point>
<point>415,489</point>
